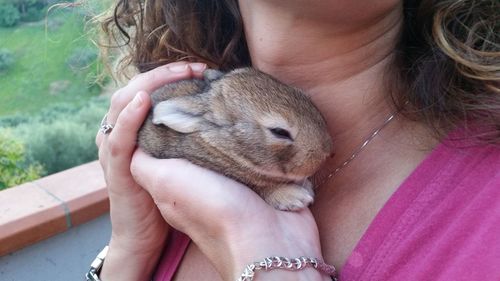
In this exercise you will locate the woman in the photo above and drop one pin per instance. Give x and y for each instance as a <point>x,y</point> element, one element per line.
<point>416,81</point>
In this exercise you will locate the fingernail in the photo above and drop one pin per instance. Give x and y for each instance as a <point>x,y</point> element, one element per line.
<point>198,66</point>
<point>137,101</point>
<point>178,68</point>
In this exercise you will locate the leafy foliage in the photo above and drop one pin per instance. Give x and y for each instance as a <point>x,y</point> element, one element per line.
<point>14,169</point>
<point>9,15</point>
<point>6,59</point>
<point>27,10</point>
<point>63,136</point>
<point>33,14</point>
<point>61,145</point>
<point>13,120</point>
<point>82,58</point>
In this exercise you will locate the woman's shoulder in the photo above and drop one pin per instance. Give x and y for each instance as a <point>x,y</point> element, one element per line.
<point>463,159</point>
<point>468,155</point>
<point>442,224</point>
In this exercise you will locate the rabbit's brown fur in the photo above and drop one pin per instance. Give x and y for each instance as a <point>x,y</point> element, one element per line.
<point>245,125</point>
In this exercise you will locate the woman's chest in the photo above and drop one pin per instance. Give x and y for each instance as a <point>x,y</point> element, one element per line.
<point>343,219</point>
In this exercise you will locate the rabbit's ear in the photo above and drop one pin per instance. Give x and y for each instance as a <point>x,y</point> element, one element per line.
<point>212,74</point>
<point>181,114</point>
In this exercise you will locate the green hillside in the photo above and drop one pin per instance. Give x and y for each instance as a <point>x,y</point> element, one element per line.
<point>41,74</point>
<point>50,105</point>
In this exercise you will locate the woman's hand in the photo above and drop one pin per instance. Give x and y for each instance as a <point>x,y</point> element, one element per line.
<point>230,224</point>
<point>138,229</point>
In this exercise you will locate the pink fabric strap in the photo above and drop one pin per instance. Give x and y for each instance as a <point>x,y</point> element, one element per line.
<point>177,244</point>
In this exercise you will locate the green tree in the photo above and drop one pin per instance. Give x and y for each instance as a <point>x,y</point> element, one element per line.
<point>28,10</point>
<point>22,5</point>
<point>13,167</point>
<point>6,59</point>
<point>62,135</point>
<point>9,15</point>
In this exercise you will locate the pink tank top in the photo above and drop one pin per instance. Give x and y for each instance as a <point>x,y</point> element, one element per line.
<point>443,223</point>
<point>177,244</point>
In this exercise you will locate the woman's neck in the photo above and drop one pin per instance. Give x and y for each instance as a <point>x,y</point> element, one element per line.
<point>307,49</point>
<point>340,65</point>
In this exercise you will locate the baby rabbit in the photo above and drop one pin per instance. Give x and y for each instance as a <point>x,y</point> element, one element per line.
<point>245,125</point>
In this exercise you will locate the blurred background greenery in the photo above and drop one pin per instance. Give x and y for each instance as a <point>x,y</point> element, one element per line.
<point>51,101</point>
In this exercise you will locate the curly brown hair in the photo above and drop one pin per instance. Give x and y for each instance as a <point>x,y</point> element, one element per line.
<point>446,70</point>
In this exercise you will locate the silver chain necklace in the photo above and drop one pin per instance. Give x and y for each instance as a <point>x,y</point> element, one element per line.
<point>356,152</point>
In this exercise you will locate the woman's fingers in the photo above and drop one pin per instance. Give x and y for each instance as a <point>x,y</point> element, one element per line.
<point>121,142</point>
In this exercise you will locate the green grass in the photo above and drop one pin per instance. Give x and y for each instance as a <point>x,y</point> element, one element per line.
<point>41,56</point>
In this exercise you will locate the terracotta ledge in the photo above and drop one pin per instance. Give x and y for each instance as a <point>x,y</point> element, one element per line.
<point>43,208</point>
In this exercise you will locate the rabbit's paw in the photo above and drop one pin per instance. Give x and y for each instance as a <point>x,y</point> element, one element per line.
<point>291,197</point>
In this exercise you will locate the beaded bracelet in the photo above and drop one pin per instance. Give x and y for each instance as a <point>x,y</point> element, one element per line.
<point>294,264</point>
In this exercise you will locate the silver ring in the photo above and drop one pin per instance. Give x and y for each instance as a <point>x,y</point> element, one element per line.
<point>105,127</point>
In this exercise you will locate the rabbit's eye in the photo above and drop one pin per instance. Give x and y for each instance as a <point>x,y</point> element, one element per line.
<point>281,133</point>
